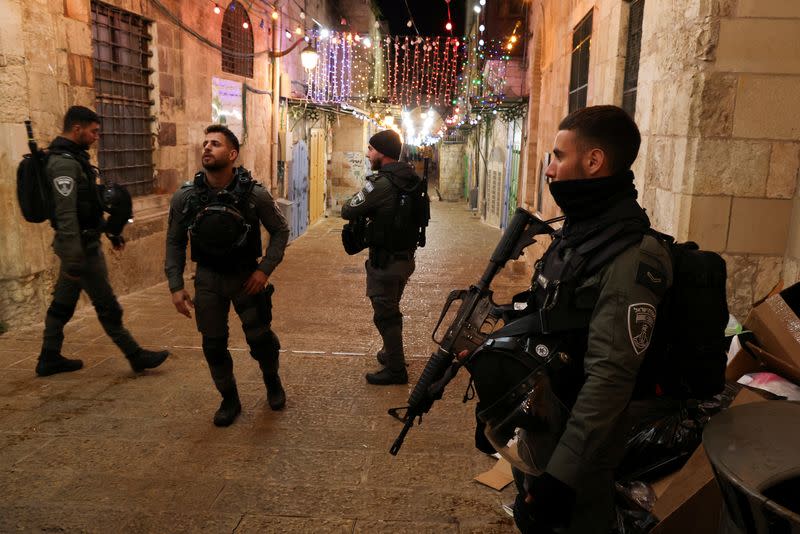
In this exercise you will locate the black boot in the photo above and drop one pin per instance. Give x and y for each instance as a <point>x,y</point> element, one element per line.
<point>387,376</point>
<point>276,396</point>
<point>51,363</point>
<point>383,358</point>
<point>147,359</point>
<point>229,408</point>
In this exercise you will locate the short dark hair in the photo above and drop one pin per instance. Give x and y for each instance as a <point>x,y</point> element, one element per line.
<point>224,130</point>
<point>609,128</point>
<point>79,115</point>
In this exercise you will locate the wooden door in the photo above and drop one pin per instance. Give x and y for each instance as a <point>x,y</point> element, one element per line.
<point>316,190</point>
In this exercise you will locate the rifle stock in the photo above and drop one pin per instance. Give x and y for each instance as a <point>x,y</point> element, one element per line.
<point>473,323</point>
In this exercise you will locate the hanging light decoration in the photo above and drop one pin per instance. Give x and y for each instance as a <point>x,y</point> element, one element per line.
<point>309,57</point>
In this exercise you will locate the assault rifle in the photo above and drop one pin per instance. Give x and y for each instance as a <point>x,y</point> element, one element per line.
<point>475,320</point>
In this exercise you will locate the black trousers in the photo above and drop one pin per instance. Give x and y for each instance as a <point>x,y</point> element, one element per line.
<point>385,289</point>
<point>66,292</point>
<point>214,294</point>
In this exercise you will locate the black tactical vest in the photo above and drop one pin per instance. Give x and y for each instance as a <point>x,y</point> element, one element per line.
<point>224,229</point>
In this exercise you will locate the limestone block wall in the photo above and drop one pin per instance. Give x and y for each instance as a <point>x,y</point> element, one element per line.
<point>718,114</point>
<point>451,171</point>
<point>721,152</point>
<point>348,164</point>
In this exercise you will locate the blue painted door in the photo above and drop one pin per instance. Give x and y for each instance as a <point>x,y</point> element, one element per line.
<point>298,192</point>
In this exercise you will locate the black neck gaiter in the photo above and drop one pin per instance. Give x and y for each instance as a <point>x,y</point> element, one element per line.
<point>583,199</point>
<point>79,151</point>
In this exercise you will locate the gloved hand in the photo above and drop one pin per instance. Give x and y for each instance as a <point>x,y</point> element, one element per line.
<point>547,506</point>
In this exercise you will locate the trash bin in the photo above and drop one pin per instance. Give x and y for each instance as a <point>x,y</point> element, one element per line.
<point>754,450</point>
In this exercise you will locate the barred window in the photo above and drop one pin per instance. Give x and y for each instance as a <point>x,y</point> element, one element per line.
<point>237,41</point>
<point>121,57</point>
<point>579,73</point>
<point>631,80</point>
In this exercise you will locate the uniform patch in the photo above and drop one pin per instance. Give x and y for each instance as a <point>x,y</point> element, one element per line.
<point>651,278</point>
<point>368,187</point>
<point>641,320</point>
<point>358,199</point>
<point>64,185</point>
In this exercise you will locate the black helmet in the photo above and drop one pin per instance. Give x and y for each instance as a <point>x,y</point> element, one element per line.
<point>524,416</point>
<point>116,201</point>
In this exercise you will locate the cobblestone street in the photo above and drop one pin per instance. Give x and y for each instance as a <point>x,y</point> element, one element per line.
<point>104,450</point>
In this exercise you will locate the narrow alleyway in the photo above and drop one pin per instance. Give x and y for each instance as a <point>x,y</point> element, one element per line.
<point>104,450</point>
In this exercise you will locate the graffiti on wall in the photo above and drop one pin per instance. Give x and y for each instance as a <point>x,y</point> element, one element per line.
<point>358,165</point>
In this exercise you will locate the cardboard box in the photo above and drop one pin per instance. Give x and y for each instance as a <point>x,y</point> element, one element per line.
<point>743,362</point>
<point>776,324</point>
<point>786,369</point>
<point>691,502</point>
<point>498,477</point>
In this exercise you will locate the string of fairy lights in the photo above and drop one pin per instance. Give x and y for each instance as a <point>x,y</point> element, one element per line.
<point>444,72</point>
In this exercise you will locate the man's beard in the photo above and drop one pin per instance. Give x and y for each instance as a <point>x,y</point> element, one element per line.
<point>375,165</point>
<point>214,165</point>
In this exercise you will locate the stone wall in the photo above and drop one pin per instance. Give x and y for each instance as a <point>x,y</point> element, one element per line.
<point>46,66</point>
<point>720,153</point>
<point>451,171</point>
<point>348,164</point>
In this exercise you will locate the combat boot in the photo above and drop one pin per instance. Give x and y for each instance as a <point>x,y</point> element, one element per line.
<point>383,358</point>
<point>276,396</point>
<point>386,377</point>
<point>51,363</point>
<point>147,359</point>
<point>229,408</point>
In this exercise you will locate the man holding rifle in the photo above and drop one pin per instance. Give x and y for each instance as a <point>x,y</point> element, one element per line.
<point>555,382</point>
<point>604,266</point>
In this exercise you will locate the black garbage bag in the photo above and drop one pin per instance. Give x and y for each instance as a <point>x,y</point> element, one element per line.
<point>665,432</point>
<point>634,502</point>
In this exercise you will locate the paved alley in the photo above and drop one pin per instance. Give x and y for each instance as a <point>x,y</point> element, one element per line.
<point>104,450</point>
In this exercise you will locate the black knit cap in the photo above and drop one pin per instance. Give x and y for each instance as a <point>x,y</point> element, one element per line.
<point>387,143</point>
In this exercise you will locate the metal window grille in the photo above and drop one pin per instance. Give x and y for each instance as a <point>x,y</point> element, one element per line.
<point>631,80</point>
<point>579,73</point>
<point>237,41</point>
<point>121,43</point>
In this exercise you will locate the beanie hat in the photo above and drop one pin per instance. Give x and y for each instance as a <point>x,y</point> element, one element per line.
<point>387,143</point>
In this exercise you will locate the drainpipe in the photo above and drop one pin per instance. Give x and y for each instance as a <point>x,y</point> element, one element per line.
<point>276,102</point>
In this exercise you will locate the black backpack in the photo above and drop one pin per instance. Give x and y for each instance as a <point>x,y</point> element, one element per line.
<point>34,191</point>
<point>688,353</point>
<point>413,211</point>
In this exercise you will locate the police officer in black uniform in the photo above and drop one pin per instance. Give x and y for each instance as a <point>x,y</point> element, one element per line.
<point>221,212</point>
<point>593,301</point>
<point>391,248</point>
<point>78,223</point>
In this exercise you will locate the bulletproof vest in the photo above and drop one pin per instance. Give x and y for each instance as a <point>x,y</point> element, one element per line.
<point>90,208</point>
<point>224,231</point>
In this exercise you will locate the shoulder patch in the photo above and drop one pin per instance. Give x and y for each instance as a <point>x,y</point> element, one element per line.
<point>641,320</point>
<point>357,200</point>
<point>652,278</point>
<point>64,185</point>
